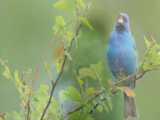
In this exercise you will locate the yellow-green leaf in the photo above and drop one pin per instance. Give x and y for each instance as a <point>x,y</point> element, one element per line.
<point>85,21</point>
<point>65,5</point>
<point>90,91</point>
<point>81,82</point>
<point>7,73</point>
<point>71,93</point>
<point>81,3</point>
<point>87,72</point>
<point>60,21</point>
<point>47,67</point>
<point>61,4</point>
<point>147,42</point>
<point>99,108</point>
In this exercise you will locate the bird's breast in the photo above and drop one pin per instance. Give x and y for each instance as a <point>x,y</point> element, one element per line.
<point>121,56</point>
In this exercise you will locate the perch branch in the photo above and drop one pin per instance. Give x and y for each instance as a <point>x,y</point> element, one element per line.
<point>134,77</point>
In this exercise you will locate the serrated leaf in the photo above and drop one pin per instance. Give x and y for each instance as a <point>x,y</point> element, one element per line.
<point>71,93</point>
<point>152,57</point>
<point>85,21</point>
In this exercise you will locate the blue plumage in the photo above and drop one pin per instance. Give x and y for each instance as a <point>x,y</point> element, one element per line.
<point>122,58</point>
<point>121,51</point>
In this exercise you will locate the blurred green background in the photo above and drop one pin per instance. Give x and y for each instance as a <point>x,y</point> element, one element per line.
<point>26,35</point>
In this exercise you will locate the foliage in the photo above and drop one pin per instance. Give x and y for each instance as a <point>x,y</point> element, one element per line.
<point>40,104</point>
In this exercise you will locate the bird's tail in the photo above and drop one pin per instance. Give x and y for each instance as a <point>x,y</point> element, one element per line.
<point>129,107</point>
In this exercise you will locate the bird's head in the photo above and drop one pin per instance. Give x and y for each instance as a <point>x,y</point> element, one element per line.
<point>122,23</point>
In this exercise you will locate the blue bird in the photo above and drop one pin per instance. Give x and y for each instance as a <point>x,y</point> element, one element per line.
<point>122,59</point>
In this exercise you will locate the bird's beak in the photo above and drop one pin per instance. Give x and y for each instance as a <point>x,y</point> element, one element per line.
<point>120,20</point>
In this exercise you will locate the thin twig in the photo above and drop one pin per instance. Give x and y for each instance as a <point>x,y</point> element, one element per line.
<point>54,83</point>
<point>28,110</point>
<point>53,88</point>
<point>89,101</point>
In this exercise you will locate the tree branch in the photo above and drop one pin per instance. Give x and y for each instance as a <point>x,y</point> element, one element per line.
<point>54,83</point>
<point>134,77</point>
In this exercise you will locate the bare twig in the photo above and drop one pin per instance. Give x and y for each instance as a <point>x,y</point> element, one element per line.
<point>54,83</point>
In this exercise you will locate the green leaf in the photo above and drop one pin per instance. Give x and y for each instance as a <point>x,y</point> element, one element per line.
<point>71,93</point>
<point>60,21</point>
<point>65,5</point>
<point>97,68</point>
<point>81,3</point>
<point>16,75</point>
<point>87,72</point>
<point>69,36</point>
<point>89,117</point>
<point>7,73</point>
<point>53,111</point>
<point>14,116</point>
<point>81,82</point>
<point>38,101</point>
<point>61,4</point>
<point>90,91</point>
<point>99,108</point>
<point>152,56</point>
<point>147,42</point>
<point>59,27</point>
<point>58,66</point>
<point>94,71</point>
<point>85,21</point>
